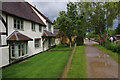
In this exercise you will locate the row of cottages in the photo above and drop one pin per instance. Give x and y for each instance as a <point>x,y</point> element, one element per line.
<point>24,31</point>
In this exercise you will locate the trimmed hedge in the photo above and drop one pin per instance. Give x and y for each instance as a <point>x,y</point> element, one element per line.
<point>113,47</point>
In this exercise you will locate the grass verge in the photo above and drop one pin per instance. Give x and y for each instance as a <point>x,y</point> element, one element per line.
<point>45,65</point>
<point>78,64</point>
<point>114,55</point>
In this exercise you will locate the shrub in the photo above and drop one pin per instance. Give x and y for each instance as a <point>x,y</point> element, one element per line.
<point>113,47</point>
<point>108,46</point>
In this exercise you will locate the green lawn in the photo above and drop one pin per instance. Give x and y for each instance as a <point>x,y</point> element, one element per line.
<point>78,64</point>
<point>112,54</point>
<point>45,65</point>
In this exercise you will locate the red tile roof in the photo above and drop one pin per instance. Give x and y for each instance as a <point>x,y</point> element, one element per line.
<point>17,36</point>
<point>48,34</point>
<point>22,10</point>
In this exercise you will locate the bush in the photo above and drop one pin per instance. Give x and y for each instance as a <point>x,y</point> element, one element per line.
<point>108,46</point>
<point>113,47</point>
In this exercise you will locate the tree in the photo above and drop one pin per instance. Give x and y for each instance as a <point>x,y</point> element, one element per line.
<point>117,30</point>
<point>72,23</point>
<point>101,16</point>
<point>64,24</point>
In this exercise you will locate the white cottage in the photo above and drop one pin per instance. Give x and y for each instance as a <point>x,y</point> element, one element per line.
<point>24,31</point>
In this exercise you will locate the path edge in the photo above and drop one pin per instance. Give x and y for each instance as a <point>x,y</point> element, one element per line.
<point>66,69</point>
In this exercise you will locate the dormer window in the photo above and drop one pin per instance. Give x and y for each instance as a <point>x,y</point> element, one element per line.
<point>33,26</point>
<point>18,23</point>
<point>49,26</point>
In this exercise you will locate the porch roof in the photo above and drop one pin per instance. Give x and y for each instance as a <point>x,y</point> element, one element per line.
<point>48,34</point>
<point>17,36</point>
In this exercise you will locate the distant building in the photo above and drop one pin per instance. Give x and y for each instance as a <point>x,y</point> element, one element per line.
<point>118,39</point>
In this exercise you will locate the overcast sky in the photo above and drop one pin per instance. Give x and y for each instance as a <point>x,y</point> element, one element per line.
<point>51,9</point>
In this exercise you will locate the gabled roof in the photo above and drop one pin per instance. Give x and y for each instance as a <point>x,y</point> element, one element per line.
<point>47,34</point>
<point>22,10</point>
<point>17,36</point>
<point>48,20</point>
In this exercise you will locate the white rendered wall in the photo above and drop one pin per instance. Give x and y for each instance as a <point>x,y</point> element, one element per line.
<point>5,56</point>
<point>28,32</point>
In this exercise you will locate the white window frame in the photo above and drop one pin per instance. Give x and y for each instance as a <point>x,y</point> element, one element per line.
<point>13,45</point>
<point>37,44</point>
<point>18,24</point>
<point>16,49</point>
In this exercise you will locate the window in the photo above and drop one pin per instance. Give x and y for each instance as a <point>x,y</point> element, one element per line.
<point>40,28</point>
<point>37,43</point>
<point>19,49</point>
<point>49,26</point>
<point>33,26</point>
<point>18,24</point>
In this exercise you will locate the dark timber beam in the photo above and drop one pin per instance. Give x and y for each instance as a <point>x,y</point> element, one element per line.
<point>5,23</point>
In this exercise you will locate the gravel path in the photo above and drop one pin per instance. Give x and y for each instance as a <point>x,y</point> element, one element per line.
<point>99,64</point>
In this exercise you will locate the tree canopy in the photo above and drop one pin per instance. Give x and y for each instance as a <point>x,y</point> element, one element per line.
<point>81,17</point>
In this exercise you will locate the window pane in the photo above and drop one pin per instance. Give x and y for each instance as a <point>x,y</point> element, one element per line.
<point>34,26</point>
<point>36,43</point>
<point>21,24</point>
<point>23,51</point>
<point>19,50</point>
<point>40,28</point>
<point>18,24</point>
<point>14,23</point>
<point>13,52</point>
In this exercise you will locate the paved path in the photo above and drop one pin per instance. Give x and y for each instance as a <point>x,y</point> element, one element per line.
<point>99,65</point>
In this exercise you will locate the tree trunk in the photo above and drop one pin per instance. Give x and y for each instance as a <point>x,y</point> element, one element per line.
<point>70,41</point>
<point>70,44</point>
<point>106,35</point>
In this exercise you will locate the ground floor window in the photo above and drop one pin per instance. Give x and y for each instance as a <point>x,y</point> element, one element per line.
<point>37,43</point>
<point>18,49</point>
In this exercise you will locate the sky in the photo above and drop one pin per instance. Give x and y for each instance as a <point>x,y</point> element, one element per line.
<point>51,10</point>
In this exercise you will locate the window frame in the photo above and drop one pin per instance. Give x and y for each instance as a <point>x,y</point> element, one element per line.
<point>38,43</point>
<point>18,24</point>
<point>11,47</point>
<point>19,49</point>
